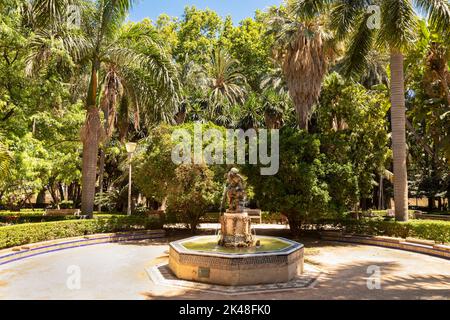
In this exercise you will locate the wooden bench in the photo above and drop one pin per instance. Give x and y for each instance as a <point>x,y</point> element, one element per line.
<point>426,216</point>
<point>62,212</point>
<point>160,214</point>
<point>254,214</point>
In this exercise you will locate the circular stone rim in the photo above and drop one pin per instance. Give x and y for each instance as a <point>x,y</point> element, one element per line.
<point>293,246</point>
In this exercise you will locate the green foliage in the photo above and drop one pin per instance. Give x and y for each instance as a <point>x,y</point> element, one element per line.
<point>438,231</point>
<point>158,178</point>
<point>353,127</point>
<point>192,193</point>
<point>16,235</point>
<point>298,190</point>
<point>197,33</point>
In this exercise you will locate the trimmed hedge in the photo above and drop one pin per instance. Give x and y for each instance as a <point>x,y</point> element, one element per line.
<point>438,231</point>
<point>16,235</point>
<point>11,217</point>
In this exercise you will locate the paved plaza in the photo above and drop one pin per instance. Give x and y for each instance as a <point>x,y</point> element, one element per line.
<point>123,271</point>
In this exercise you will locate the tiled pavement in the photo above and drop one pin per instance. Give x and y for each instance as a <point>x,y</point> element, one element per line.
<point>162,275</point>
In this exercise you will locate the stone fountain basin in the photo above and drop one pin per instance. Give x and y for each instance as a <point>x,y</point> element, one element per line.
<point>199,259</point>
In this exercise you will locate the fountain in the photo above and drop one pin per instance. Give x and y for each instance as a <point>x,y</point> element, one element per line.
<point>236,256</point>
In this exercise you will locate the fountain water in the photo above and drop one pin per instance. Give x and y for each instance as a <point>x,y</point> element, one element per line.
<point>239,257</point>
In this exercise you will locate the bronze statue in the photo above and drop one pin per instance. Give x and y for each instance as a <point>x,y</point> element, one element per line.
<point>235,190</point>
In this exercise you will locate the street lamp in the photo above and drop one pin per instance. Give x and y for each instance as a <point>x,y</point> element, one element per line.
<point>131,147</point>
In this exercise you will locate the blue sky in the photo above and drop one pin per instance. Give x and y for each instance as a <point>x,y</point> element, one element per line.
<point>238,9</point>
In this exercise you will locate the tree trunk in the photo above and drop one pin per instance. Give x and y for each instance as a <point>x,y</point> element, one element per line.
<point>90,137</point>
<point>100,176</point>
<point>398,119</point>
<point>380,193</point>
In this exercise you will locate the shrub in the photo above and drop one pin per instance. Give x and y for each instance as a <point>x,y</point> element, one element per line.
<point>298,190</point>
<point>11,217</point>
<point>19,218</point>
<point>438,231</point>
<point>16,235</point>
<point>192,193</point>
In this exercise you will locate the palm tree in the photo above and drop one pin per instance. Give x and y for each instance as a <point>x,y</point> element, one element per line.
<point>223,79</point>
<point>250,113</point>
<point>275,106</point>
<point>304,50</point>
<point>193,98</point>
<point>138,73</point>
<point>398,21</point>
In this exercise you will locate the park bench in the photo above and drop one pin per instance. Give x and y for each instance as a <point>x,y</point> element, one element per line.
<point>62,212</point>
<point>254,214</point>
<point>156,214</point>
<point>425,216</point>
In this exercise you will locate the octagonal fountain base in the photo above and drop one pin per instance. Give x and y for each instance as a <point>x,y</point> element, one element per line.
<point>200,259</point>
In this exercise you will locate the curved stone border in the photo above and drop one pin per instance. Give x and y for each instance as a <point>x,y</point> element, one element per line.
<point>413,245</point>
<point>162,275</point>
<point>292,247</point>
<point>236,269</point>
<point>31,250</point>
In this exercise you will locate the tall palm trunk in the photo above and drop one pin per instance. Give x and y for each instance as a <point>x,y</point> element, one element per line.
<point>90,137</point>
<point>101,173</point>
<point>398,120</point>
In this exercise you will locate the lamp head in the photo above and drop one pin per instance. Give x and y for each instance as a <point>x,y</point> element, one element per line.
<point>131,147</point>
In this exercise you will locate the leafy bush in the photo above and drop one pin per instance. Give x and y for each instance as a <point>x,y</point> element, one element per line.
<point>300,190</point>
<point>438,231</point>
<point>18,218</point>
<point>187,190</point>
<point>192,193</point>
<point>28,216</point>
<point>16,235</point>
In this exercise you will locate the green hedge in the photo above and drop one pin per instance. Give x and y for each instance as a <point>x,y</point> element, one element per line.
<point>438,231</point>
<point>11,217</point>
<point>21,234</point>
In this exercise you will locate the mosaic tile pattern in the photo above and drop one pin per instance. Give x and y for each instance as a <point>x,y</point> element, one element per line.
<point>162,275</point>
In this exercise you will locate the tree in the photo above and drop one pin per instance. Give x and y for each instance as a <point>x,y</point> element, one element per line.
<point>397,23</point>
<point>351,123</point>
<point>249,44</point>
<point>224,79</point>
<point>299,190</point>
<point>5,160</point>
<point>428,115</point>
<point>250,113</point>
<point>134,60</point>
<point>197,34</point>
<point>303,48</point>
<point>276,107</point>
<point>193,192</point>
<point>186,189</point>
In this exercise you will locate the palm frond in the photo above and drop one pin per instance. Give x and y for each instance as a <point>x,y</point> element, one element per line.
<point>398,23</point>
<point>309,9</point>
<point>438,13</point>
<point>359,45</point>
<point>113,14</point>
<point>344,14</point>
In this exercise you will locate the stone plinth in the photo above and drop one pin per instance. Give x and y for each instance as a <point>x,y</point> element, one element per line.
<point>236,269</point>
<point>236,230</point>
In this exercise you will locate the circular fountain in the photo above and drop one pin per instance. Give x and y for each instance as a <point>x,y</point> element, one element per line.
<point>236,257</point>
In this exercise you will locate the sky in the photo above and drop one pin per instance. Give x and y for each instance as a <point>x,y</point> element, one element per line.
<point>238,9</point>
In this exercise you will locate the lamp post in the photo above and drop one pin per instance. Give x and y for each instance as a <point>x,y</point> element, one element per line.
<point>131,147</point>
